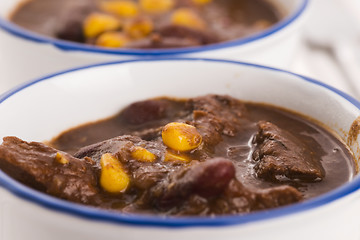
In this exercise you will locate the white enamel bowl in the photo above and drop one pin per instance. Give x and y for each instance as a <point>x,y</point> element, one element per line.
<point>25,55</point>
<point>39,110</point>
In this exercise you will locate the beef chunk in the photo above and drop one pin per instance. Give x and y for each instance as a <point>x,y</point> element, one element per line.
<point>121,147</point>
<point>212,115</point>
<point>71,30</point>
<point>215,116</point>
<point>145,111</point>
<point>226,111</point>
<point>239,199</point>
<point>34,164</point>
<point>157,41</point>
<point>114,145</point>
<point>181,32</point>
<point>278,153</point>
<point>276,197</point>
<point>175,36</point>
<point>70,24</point>
<point>144,175</point>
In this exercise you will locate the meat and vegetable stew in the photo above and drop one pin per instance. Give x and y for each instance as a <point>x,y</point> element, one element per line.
<point>146,23</point>
<point>204,156</point>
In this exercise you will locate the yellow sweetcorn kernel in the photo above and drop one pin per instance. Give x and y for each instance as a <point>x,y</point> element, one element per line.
<point>143,155</point>
<point>201,2</point>
<point>187,18</point>
<point>174,157</point>
<point>60,158</point>
<point>113,178</point>
<point>181,137</point>
<point>157,6</point>
<point>122,8</point>
<point>97,23</point>
<point>112,40</point>
<point>261,24</point>
<point>139,28</point>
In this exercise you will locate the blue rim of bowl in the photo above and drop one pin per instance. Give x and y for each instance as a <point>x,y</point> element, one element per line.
<point>72,46</point>
<point>92,213</point>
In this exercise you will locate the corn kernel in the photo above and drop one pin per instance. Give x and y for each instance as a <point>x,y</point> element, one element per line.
<point>122,8</point>
<point>97,23</point>
<point>60,158</point>
<point>187,18</point>
<point>262,24</point>
<point>113,178</point>
<point>174,157</point>
<point>201,2</point>
<point>139,28</point>
<point>181,137</point>
<point>157,6</point>
<point>112,40</point>
<point>143,155</point>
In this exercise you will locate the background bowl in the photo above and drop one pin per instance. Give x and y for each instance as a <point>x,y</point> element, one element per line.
<point>82,95</point>
<point>25,55</point>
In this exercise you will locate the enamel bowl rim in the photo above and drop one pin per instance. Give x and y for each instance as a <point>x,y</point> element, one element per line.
<point>91,213</point>
<point>72,46</point>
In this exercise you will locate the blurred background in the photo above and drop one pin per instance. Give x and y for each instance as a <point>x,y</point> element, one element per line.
<point>330,49</point>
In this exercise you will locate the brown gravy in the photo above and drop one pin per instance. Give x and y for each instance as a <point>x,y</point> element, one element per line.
<point>252,157</point>
<point>328,148</point>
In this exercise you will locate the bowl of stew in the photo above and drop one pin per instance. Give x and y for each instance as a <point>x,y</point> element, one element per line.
<point>65,34</point>
<point>207,148</point>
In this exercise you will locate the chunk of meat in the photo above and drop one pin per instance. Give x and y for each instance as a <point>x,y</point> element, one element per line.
<point>157,41</point>
<point>215,116</point>
<point>145,111</point>
<point>278,153</point>
<point>144,175</point>
<point>239,199</point>
<point>113,145</point>
<point>180,32</point>
<point>175,36</point>
<point>70,24</point>
<point>34,164</point>
<point>121,147</point>
<point>71,30</point>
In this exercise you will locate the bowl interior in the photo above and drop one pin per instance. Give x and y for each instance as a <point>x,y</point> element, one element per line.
<point>76,97</point>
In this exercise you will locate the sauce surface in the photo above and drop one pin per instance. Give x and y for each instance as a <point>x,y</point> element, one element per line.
<point>335,157</point>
